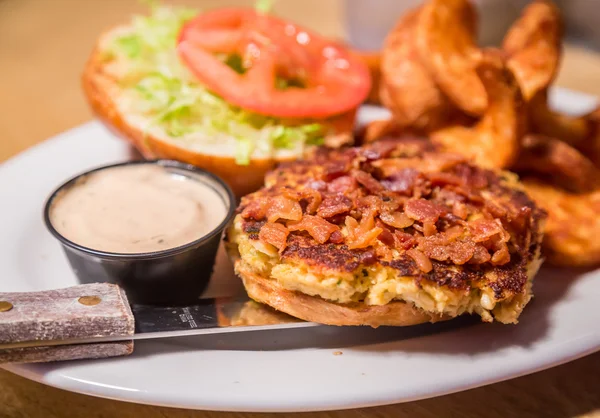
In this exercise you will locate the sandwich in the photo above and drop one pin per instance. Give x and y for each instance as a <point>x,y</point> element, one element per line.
<point>233,91</point>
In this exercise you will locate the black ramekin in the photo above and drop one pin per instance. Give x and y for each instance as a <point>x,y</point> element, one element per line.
<point>175,276</point>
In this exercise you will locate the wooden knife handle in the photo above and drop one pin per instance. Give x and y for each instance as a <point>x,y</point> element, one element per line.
<point>86,311</point>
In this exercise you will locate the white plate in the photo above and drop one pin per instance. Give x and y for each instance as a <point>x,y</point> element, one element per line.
<point>293,370</point>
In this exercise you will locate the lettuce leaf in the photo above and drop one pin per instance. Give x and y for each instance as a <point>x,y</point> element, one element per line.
<point>169,94</point>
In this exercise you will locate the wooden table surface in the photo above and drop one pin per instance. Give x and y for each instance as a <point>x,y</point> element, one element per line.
<point>43,45</point>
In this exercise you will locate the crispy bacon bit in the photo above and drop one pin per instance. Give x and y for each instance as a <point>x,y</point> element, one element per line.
<point>453,233</point>
<point>484,229</point>
<point>318,185</point>
<point>393,166</point>
<point>369,206</point>
<point>459,252</point>
<point>384,252</point>
<point>368,257</point>
<point>313,198</point>
<point>281,207</point>
<point>402,181</point>
<point>494,209</point>
<point>335,169</point>
<point>290,193</point>
<point>336,237</point>
<point>441,161</point>
<point>309,199</point>
<point>501,256</point>
<point>342,184</point>
<point>318,228</point>
<point>334,205</point>
<point>404,241</point>
<point>397,219</point>
<point>424,210</point>
<point>275,234</point>
<point>368,181</point>
<point>379,149</point>
<point>361,235</point>
<point>256,209</point>
<point>480,256</point>
<point>422,261</point>
<point>429,229</point>
<point>386,237</point>
<point>472,176</point>
<point>442,178</point>
<point>460,209</point>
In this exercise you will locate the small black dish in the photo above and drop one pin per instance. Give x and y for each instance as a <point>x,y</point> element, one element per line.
<point>175,276</point>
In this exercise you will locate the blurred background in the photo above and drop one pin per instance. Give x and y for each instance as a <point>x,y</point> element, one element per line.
<point>44,45</point>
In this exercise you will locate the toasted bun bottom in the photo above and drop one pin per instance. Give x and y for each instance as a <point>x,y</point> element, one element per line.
<point>100,91</point>
<point>315,309</point>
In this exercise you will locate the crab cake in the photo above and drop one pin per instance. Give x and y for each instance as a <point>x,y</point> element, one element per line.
<point>393,233</point>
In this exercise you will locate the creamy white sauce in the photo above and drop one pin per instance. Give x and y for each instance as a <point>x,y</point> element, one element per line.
<point>136,209</point>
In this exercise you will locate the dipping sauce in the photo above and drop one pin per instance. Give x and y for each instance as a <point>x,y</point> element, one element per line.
<point>137,208</point>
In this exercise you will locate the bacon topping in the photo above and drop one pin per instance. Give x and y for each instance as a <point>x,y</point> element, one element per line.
<point>402,181</point>
<point>442,179</point>
<point>318,185</point>
<point>256,209</point>
<point>429,229</point>
<point>459,252</point>
<point>424,210</point>
<point>336,237</point>
<point>389,199</point>
<point>397,219</point>
<point>379,149</point>
<point>335,169</point>
<point>342,184</point>
<point>361,235</point>
<point>501,256</point>
<point>459,209</point>
<point>480,256</point>
<point>318,228</point>
<point>368,181</point>
<point>313,198</point>
<point>394,166</point>
<point>403,240</point>
<point>334,205</point>
<point>484,229</point>
<point>422,261</point>
<point>275,234</point>
<point>386,237</point>
<point>281,207</point>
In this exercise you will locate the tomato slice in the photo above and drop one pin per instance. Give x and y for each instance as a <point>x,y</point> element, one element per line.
<point>325,78</point>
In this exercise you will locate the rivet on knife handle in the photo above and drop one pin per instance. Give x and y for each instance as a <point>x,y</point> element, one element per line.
<point>34,319</point>
<point>5,306</point>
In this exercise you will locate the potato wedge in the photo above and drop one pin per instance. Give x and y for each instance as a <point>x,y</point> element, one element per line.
<point>494,141</point>
<point>572,227</point>
<point>571,129</point>
<point>379,129</point>
<point>446,43</point>
<point>373,61</point>
<point>406,87</point>
<point>557,162</point>
<point>591,145</point>
<point>533,45</point>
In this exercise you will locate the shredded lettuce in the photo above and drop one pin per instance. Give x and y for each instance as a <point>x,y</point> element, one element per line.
<point>167,92</point>
<point>263,6</point>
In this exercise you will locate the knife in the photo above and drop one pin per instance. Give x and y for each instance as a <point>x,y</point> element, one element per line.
<point>92,321</point>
